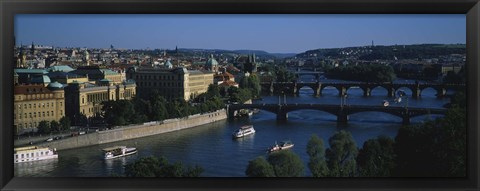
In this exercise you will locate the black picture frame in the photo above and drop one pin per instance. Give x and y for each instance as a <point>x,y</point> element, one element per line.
<point>8,8</point>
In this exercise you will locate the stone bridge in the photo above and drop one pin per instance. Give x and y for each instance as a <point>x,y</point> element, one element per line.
<point>342,112</point>
<point>342,87</point>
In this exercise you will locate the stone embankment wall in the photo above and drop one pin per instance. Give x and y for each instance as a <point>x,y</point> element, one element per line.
<point>136,131</point>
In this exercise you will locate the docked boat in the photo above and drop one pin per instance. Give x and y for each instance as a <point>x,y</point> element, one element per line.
<point>33,153</point>
<point>282,146</point>
<point>244,131</point>
<point>118,151</point>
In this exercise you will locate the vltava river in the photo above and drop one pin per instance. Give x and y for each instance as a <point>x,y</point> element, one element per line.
<point>212,147</point>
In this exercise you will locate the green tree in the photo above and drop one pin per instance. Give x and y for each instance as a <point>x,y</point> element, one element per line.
<point>158,106</point>
<point>64,123</point>
<point>159,167</point>
<point>341,155</point>
<point>435,148</point>
<point>285,163</point>
<point>316,152</point>
<point>120,112</point>
<point>376,158</point>
<point>259,167</point>
<point>43,127</point>
<point>55,126</point>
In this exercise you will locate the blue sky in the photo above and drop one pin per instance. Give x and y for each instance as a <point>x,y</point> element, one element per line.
<point>272,33</point>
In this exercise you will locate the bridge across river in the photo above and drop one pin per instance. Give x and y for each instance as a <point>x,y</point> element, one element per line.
<point>342,87</point>
<point>341,111</point>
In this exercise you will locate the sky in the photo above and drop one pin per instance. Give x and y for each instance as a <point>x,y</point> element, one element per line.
<point>271,33</point>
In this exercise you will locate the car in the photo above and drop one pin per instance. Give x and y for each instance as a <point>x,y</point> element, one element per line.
<point>49,139</point>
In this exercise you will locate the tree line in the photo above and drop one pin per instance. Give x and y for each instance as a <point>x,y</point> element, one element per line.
<point>364,73</point>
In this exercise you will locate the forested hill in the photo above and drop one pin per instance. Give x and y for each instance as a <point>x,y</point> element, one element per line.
<point>418,51</point>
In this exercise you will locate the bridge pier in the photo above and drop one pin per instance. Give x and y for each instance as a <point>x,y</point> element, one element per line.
<point>416,93</point>
<point>342,118</point>
<point>367,92</point>
<point>342,91</point>
<point>271,88</point>
<point>391,92</point>
<point>282,116</point>
<point>441,92</point>
<point>406,120</point>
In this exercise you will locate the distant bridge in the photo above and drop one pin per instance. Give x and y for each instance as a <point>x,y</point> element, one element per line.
<point>342,87</point>
<point>342,112</point>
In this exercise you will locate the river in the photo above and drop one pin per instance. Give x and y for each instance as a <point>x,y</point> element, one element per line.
<point>212,147</point>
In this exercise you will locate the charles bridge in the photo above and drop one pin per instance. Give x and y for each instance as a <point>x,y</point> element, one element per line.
<point>341,111</point>
<point>293,88</point>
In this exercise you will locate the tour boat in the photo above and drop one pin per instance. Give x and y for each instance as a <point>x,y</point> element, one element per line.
<point>282,146</point>
<point>118,151</point>
<point>33,153</point>
<point>244,131</point>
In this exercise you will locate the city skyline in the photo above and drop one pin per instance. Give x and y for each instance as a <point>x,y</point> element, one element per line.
<point>271,33</point>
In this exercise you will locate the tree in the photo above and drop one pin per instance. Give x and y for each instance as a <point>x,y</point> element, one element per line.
<point>376,158</point>
<point>435,148</point>
<point>158,108</point>
<point>285,163</point>
<point>120,112</point>
<point>64,123</point>
<point>259,167</point>
<point>55,126</point>
<point>341,155</point>
<point>316,152</point>
<point>44,127</point>
<point>159,167</point>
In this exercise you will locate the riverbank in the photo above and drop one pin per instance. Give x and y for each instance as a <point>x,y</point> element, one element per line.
<point>136,131</point>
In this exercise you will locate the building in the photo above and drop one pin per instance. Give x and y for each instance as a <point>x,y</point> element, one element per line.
<point>95,73</point>
<point>34,103</point>
<point>170,83</point>
<point>66,78</point>
<point>87,98</point>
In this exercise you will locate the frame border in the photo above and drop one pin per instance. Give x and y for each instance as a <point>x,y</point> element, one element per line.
<point>8,8</point>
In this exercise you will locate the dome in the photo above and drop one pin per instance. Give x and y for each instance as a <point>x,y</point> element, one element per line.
<point>55,85</point>
<point>211,62</point>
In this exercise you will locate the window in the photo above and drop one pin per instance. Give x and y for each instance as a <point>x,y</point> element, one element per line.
<point>25,106</point>
<point>35,105</point>
<point>22,156</point>
<point>16,156</point>
<point>43,114</point>
<point>48,113</point>
<point>29,105</point>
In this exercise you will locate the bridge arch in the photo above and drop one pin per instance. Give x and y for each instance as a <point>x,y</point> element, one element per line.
<point>306,88</point>
<point>355,90</point>
<point>429,92</point>
<point>379,90</point>
<point>329,90</point>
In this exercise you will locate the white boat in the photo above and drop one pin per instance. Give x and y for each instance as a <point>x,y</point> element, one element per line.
<point>244,131</point>
<point>398,100</point>
<point>385,103</point>
<point>118,151</point>
<point>33,153</point>
<point>282,146</point>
